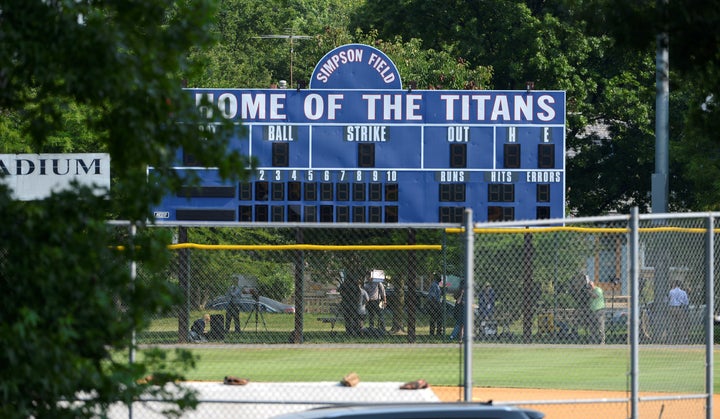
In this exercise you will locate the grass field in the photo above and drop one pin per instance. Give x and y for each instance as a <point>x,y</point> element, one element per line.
<point>592,368</point>
<point>265,356</point>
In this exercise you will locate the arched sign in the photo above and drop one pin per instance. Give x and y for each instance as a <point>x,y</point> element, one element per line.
<point>355,66</point>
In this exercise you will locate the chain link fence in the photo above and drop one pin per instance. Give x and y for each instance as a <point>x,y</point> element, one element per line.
<point>552,316</point>
<point>556,287</point>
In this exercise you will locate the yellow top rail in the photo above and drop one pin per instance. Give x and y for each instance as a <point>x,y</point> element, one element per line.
<point>304,247</point>
<point>598,230</point>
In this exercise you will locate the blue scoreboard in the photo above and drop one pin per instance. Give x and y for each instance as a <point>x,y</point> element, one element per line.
<point>382,154</point>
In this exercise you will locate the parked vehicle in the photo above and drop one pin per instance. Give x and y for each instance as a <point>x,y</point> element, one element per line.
<point>247,303</point>
<point>418,411</point>
<point>421,299</point>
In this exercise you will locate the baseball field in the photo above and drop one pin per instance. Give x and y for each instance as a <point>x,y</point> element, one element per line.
<point>560,380</point>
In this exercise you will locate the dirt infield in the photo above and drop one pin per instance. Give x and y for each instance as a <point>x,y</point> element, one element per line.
<point>615,410</point>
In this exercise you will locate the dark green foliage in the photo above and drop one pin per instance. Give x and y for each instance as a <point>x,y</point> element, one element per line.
<point>69,303</point>
<point>115,70</point>
<point>78,76</point>
<point>602,54</point>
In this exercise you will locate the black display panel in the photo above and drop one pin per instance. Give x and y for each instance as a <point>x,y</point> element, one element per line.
<point>280,154</point>
<point>458,156</point>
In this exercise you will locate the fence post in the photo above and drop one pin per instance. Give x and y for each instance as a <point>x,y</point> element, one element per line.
<point>634,243</point>
<point>444,282</point>
<point>183,266</point>
<point>710,316</point>
<point>133,276</point>
<point>468,295</point>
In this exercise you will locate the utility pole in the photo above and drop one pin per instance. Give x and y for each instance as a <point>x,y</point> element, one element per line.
<point>660,178</point>
<point>291,37</point>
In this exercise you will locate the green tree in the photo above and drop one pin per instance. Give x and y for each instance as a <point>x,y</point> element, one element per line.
<point>246,54</point>
<point>428,68</point>
<point>89,76</point>
<point>693,34</point>
<point>214,272</point>
<point>610,90</point>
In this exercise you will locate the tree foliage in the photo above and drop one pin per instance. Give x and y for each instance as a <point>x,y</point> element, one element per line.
<point>602,54</point>
<point>93,76</point>
<point>262,42</point>
<point>68,304</point>
<point>217,271</point>
<point>427,68</point>
<point>693,35</point>
<point>255,48</point>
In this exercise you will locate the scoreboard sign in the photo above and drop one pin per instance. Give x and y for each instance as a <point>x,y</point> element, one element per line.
<point>382,154</point>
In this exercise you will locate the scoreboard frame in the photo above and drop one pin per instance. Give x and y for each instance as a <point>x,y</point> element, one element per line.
<point>367,156</point>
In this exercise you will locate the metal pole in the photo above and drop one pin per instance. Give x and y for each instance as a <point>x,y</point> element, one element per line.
<point>184,284</point>
<point>468,295</point>
<point>709,316</point>
<point>634,243</point>
<point>291,37</point>
<point>133,337</point>
<point>660,187</point>
<point>444,282</point>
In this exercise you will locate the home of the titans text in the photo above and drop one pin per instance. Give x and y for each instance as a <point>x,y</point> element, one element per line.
<point>292,106</point>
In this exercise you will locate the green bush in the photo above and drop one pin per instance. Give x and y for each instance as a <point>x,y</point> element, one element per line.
<point>276,281</point>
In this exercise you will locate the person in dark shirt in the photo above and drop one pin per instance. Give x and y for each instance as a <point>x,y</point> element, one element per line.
<point>434,300</point>
<point>459,313</point>
<point>351,295</point>
<point>232,310</point>
<point>486,303</point>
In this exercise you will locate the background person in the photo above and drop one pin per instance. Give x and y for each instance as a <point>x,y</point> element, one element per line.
<point>459,312</point>
<point>486,302</point>
<point>376,295</point>
<point>434,300</point>
<point>350,296</point>
<point>486,310</point>
<point>597,313</point>
<point>232,309</point>
<point>362,306</point>
<point>678,303</point>
<point>197,330</point>
<point>579,288</point>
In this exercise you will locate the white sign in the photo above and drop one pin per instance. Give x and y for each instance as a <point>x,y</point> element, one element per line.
<point>36,176</point>
<point>161,214</point>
